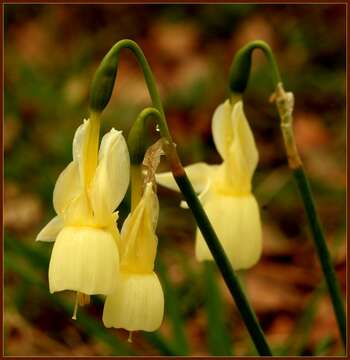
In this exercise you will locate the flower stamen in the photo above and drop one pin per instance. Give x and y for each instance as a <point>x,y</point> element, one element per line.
<point>74,317</point>
<point>81,299</point>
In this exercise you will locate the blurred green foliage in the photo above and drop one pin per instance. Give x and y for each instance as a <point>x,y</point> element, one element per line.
<point>51,53</point>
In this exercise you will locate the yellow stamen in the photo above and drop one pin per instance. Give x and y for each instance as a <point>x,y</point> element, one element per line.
<point>83,299</point>
<point>130,337</point>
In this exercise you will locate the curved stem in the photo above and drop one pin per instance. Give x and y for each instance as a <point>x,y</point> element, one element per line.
<point>137,148</point>
<point>101,91</point>
<point>103,82</point>
<point>239,76</point>
<point>241,65</point>
<point>136,143</point>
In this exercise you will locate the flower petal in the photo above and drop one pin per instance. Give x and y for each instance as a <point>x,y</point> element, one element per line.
<point>138,242</point>
<point>243,147</point>
<point>79,212</point>
<point>85,149</point>
<point>84,259</point>
<point>112,176</point>
<point>78,148</point>
<point>241,156</point>
<point>167,180</point>
<point>222,128</point>
<point>137,304</point>
<point>238,229</point>
<point>67,187</point>
<point>51,230</point>
<point>198,174</point>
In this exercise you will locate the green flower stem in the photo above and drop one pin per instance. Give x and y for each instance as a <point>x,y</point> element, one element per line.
<point>218,334</point>
<point>101,91</point>
<point>239,76</point>
<point>322,250</point>
<point>285,103</point>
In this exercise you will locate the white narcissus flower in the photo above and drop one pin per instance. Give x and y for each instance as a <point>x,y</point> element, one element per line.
<point>85,256</point>
<point>138,302</point>
<point>225,189</point>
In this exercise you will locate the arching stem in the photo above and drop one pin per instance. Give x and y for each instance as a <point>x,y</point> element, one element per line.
<point>241,65</point>
<point>239,76</point>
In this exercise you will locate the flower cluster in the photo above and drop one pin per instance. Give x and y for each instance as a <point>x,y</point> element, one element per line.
<point>90,256</point>
<point>225,189</point>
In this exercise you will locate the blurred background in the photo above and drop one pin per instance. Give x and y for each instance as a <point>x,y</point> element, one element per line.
<point>51,53</point>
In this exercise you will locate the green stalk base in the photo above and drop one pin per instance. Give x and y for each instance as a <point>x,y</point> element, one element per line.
<point>322,250</point>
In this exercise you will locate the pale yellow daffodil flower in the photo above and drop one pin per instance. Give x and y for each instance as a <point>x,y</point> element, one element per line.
<point>225,189</point>
<point>85,256</point>
<point>138,302</point>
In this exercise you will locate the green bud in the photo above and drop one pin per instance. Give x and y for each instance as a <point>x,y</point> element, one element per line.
<point>240,69</point>
<point>103,82</point>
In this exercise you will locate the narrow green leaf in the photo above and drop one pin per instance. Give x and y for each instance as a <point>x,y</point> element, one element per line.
<point>322,250</point>
<point>323,347</point>
<point>219,342</point>
<point>172,306</point>
<point>297,343</point>
<point>158,341</point>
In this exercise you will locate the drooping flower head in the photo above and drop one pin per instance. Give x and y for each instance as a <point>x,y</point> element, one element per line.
<point>138,302</point>
<point>85,256</point>
<point>225,189</point>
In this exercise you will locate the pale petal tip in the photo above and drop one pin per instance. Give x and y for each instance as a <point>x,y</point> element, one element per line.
<point>42,236</point>
<point>106,323</point>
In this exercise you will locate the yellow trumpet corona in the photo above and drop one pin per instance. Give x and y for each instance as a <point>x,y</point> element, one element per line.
<point>85,256</point>
<point>225,189</point>
<point>138,301</point>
